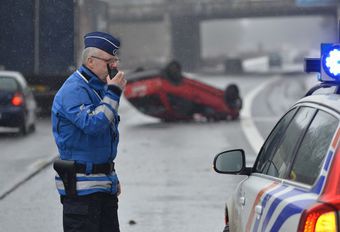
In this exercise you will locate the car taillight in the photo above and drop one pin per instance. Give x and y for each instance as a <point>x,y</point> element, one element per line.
<point>17,99</point>
<point>320,218</point>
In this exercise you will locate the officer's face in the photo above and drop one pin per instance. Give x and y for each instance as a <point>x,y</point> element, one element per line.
<point>98,64</point>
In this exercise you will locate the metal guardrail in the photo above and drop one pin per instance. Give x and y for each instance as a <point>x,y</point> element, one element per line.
<point>212,9</point>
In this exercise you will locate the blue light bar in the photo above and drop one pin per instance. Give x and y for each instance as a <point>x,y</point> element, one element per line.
<point>330,62</point>
<point>312,65</point>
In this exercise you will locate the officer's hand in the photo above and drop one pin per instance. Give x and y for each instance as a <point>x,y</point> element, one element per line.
<point>119,189</point>
<point>118,80</point>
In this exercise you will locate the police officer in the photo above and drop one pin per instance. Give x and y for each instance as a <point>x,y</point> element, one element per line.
<point>85,127</point>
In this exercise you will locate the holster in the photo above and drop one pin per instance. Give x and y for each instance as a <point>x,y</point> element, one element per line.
<point>66,170</point>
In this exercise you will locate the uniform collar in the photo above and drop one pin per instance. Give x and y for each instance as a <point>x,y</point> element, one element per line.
<point>92,78</point>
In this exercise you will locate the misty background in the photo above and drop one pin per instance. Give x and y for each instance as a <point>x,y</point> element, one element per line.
<point>294,34</point>
<point>292,37</point>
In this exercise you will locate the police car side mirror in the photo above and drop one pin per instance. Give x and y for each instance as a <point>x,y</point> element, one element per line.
<point>230,162</point>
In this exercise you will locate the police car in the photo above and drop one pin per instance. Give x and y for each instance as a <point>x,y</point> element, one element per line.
<point>294,184</point>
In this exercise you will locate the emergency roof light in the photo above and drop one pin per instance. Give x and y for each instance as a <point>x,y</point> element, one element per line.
<point>328,65</point>
<point>330,62</point>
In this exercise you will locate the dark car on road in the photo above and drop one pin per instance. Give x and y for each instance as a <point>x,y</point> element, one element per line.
<point>17,104</point>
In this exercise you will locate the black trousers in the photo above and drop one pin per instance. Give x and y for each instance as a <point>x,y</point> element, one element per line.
<point>91,213</point>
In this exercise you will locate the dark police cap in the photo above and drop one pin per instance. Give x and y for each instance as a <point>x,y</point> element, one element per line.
<point>103,41</point>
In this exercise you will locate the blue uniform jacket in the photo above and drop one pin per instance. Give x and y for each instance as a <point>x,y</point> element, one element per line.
<point>85,128</point>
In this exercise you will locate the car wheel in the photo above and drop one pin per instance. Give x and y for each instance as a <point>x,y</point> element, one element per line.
<point>32,128</point>
<point>226,228</point>
<point>23,129</point>
<point>232,97</point>
<point>173,72</point>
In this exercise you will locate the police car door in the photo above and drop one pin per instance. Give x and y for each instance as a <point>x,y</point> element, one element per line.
<point>264,186</point>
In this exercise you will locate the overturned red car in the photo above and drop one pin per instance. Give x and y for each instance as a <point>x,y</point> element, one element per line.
<point>168,95</point>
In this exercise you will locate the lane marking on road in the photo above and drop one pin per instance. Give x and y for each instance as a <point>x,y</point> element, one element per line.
<point>30,172</point>
<point>247,122</point>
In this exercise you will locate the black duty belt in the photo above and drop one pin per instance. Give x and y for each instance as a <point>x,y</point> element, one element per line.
<point>106,168</point>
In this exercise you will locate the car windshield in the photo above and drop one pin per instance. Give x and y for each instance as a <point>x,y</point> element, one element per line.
<point>8,84</point>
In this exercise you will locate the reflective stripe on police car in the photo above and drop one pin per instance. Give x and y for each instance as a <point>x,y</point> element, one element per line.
<point>282,203</point>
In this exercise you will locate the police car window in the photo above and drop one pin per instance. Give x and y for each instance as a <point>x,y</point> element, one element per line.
<point>284,154</point>
<point>314,148</point>
<point>272,142</point>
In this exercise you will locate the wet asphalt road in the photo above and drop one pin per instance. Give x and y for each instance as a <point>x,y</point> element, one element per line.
<point>165,169</point>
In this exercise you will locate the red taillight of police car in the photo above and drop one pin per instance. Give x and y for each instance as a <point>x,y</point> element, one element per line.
<point>321,217</point>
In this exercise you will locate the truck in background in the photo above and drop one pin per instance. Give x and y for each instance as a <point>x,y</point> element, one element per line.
<point>38,40</point>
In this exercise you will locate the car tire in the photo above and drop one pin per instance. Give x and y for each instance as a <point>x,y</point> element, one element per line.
<point>232,97</point>
<point>173,72</point>
<point>32,128</point>
<point>23,130</point>
<point>226,228</point>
